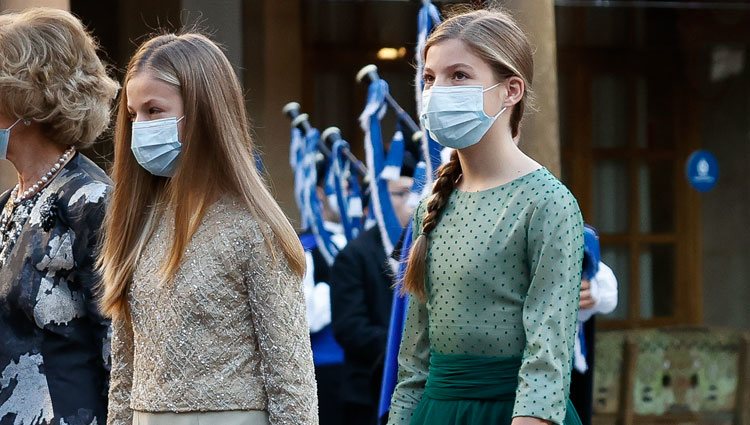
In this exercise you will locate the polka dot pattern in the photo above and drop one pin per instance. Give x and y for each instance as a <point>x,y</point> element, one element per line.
<point>503,278</point>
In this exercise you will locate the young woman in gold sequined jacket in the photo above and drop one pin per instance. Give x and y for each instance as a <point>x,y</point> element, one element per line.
<point>201,268</point>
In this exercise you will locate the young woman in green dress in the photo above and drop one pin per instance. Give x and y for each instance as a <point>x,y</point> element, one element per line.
<point>495,269</point>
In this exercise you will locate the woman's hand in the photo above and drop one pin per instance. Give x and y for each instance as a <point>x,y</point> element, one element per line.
<point>528,420</point>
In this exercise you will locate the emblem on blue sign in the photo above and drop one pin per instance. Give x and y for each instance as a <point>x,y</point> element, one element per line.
<point>702,170</point>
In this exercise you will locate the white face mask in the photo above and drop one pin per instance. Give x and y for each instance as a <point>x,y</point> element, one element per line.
<point>156,146</point>
<point>454,115</point>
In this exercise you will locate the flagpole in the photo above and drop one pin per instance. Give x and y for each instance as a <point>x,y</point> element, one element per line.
<point>302,122</point>
<point>369,74</point>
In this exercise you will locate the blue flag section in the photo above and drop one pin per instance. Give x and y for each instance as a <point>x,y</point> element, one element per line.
<point>311,208</point>
<point>348,195</point>
<point>591,252</point>
<point>296,160</point>
<point>380,202</point>
<point>398,317</point>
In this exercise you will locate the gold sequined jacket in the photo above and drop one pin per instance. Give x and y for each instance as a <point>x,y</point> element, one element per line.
<point>228,333</point>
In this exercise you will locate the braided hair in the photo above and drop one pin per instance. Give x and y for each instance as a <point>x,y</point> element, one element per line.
<point>448,175</point>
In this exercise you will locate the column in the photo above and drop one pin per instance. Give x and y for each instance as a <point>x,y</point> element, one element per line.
<point>282,83</point>
<point>540,136</point>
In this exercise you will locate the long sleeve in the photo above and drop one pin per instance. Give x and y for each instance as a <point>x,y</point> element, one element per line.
<point>604,293</point>
<point>555,253</point>
<point>86,250</point>
<point>121,376</point>
<point>413,364</point>
<point>352,325</point>
<point>278,313</point>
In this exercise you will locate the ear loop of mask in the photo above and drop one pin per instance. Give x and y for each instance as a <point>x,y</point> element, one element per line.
<point>17,121</point>
<point>504,107</point>
<point>490,87</point>
<point>177,122</point>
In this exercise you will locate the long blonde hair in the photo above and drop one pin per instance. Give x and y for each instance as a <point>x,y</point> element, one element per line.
<point>217,158</point>
<point>495,38</point>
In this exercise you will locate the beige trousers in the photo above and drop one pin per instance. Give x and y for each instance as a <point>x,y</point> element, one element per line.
<point>232,417</point>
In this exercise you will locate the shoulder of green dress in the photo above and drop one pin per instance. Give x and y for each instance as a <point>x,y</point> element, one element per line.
<point>546,189</point>
<point>552,202</point>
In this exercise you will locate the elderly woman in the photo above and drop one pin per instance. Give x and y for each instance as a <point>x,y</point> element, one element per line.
<point>55,99</point>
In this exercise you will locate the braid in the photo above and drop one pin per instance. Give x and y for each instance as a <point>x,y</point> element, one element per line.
<point>414,277</point>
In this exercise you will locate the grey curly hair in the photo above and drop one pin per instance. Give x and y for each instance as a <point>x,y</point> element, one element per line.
<point>50,73</point>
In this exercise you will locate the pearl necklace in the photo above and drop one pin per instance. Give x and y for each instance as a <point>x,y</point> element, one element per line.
<point>29,198</point>
<point>46,178</point>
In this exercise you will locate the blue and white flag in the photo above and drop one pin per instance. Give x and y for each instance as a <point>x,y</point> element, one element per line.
<point>348,195</point>
<point>380,201</point>
<point>311,209</point>
<point>296,158</point>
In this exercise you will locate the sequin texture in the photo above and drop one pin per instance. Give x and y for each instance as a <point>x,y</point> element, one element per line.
<point>228,333</point>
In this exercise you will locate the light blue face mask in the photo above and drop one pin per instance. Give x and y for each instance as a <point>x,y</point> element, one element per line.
<point>5,138</point>
<point>454,115</point>
<point>156,145</point>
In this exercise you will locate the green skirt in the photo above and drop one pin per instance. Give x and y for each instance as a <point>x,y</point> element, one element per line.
<point>472,390</point>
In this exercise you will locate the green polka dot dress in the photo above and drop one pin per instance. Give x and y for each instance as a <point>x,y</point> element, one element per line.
<point>503,279</point>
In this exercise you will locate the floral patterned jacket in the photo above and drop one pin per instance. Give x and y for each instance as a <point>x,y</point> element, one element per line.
<point>54,344</point>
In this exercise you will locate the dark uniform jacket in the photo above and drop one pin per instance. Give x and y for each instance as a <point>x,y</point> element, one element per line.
<point>361,293</point>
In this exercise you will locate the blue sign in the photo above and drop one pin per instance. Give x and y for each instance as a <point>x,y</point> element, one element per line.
<point>702,170</point>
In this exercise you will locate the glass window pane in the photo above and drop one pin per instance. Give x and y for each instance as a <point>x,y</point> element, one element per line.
<point>617,258</point>
<point>661,125</point>
<point>656,278</point>
<point>611,196</point>
<point>655,112</point>
<point>656,192</point>
<point>609,111</point>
